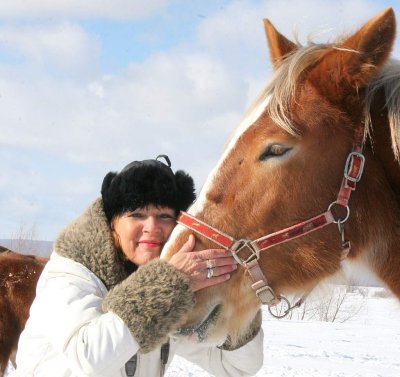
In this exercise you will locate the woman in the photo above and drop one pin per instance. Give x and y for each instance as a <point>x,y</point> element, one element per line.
<point>106,304</point>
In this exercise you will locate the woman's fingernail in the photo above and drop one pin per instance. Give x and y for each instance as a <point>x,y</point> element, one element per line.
<point>227,276</point>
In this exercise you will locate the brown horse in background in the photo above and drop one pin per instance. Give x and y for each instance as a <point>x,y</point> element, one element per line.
<point>19,274</point>
<point>279,198</point>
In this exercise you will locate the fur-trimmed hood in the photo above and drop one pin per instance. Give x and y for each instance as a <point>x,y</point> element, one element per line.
<point>88,240</point>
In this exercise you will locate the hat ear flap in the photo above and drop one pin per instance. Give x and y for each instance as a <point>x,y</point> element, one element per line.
<point>186,190</point>
<point>107,182</point>
<point>106,194</point>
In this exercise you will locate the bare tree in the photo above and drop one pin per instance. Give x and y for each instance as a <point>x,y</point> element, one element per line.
<point>21,239</point>
<point>334,303</point>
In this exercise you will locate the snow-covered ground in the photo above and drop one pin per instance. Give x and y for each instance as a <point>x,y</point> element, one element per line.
<point>366,344</point>
<point>364,341</point>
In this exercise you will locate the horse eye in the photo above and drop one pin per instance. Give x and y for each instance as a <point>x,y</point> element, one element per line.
<point>274,150</point>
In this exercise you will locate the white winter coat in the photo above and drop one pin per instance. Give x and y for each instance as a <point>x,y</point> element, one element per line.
<point>68,334</point>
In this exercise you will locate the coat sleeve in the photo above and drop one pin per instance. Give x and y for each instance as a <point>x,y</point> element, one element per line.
<point>151,302</point>
<point>242,362</point>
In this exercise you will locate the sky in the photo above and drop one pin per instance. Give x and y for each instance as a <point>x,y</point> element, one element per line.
<point>87,87</point>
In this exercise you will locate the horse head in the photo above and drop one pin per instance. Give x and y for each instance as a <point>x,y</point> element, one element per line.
<point>284,165</point>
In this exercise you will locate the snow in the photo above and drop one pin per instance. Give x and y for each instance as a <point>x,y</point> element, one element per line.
<point>363,341</point>
<point>365,345</point>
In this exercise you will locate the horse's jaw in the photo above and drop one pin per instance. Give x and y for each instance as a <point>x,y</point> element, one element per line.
<point>221,312</point>
<point>205,330</point>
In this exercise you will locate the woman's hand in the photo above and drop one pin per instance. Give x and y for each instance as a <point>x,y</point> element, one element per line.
<point>205,267</point>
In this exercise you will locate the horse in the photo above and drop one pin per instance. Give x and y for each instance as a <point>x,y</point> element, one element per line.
<point>19,274</point>
<point>308,183</point>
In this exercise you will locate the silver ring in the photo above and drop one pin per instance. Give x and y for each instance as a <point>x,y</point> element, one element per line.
<point>209,264</point>
<point>341,220</point>
<point>210,272</point>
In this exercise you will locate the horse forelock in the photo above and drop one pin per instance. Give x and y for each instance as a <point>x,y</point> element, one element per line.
<point>284,83</point>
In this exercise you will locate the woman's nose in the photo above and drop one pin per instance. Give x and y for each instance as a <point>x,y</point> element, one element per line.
<point>151,224</point>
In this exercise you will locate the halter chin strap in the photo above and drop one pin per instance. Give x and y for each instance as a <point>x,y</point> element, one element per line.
<point>353,171</point>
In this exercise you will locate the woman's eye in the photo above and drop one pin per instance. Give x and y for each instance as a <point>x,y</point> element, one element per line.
<point>167,216</point>
<point>137,215</point>
<point>274,150</point>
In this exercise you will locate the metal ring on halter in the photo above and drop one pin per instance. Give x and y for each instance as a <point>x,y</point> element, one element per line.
<point>210,272</point>
<point>283,308</point>
<point>347,214</point>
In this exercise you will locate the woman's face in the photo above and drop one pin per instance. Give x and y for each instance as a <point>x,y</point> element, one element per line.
<point>142,233</point>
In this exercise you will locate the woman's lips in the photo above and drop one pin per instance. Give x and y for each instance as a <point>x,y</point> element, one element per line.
<point>150,243</point>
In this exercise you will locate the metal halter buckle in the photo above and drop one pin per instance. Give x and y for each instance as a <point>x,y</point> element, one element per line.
<point>241,245</point>
<point>350,163</point>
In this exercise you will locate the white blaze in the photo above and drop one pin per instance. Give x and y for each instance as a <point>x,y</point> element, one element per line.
<point>198,205</point>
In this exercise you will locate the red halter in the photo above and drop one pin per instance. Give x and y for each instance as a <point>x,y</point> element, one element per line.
<point>352,174</point>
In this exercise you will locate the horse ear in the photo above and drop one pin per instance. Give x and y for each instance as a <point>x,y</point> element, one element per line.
<point>358,59</point>
<point>279,46</point>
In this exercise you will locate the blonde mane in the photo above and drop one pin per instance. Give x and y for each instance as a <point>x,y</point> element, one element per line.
<point>388,79</point>
<point>282,86</point>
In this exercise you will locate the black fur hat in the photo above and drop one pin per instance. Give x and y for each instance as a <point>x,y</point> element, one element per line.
<point>141,183</point>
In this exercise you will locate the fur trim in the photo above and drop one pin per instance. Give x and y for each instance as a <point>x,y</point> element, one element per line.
<point>88,240</point>
<point>253,330</point>
<point>152,302</point>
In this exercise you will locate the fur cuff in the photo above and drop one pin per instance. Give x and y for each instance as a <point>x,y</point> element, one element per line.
<point>253,330</point>
<point>152,302</point>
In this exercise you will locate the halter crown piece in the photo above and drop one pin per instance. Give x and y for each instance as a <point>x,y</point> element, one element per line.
<point>353,171</point>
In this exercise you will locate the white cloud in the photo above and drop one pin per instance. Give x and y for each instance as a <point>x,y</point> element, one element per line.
<point>115,9</point>
<point>153,106</point>
<point>66,47</point>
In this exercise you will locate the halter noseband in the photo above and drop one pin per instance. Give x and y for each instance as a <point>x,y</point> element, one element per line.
<point>353,171</point>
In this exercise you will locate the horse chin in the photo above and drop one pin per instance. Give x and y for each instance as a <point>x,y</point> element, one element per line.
<point>204,332</point>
